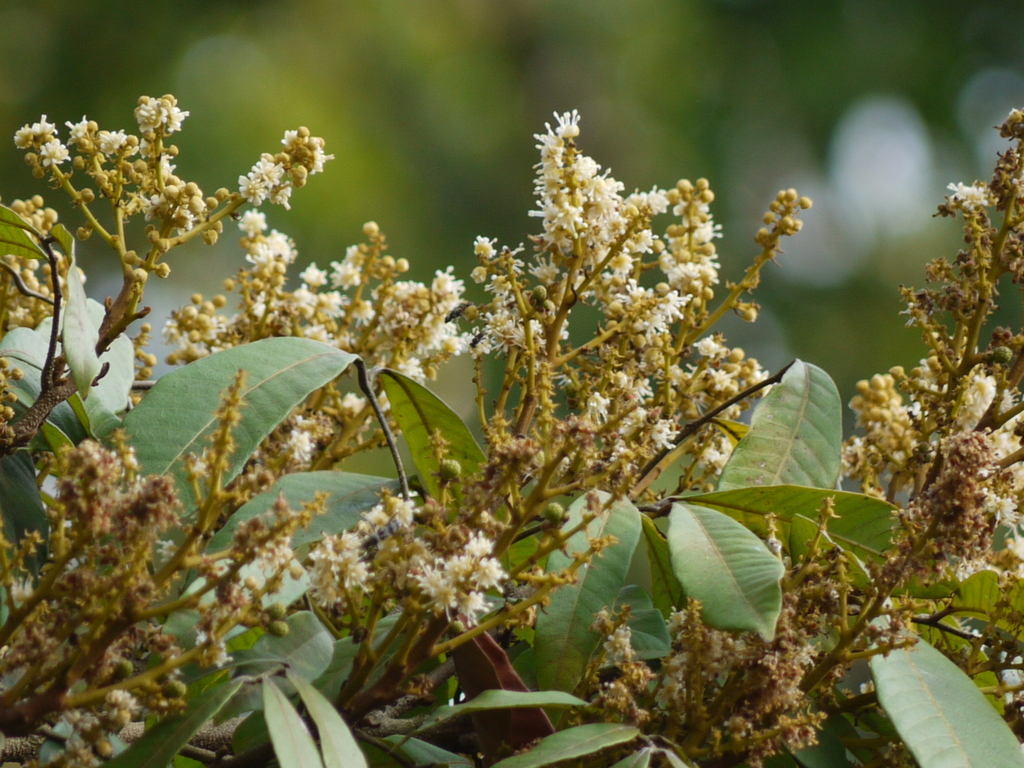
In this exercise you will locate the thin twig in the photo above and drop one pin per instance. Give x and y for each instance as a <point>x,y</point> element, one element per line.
<point>20,283</point>
<point>366,386</point>
<point>49,378</point>
<point>932,621</point>
<point>691,427</point>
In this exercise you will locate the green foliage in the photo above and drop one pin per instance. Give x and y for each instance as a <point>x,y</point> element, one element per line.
<point>727,568</point>
<point>216,556</point>
<point>564,641</point>
<point>942,716</point>
<point>432,430</point>
<point>794,437</point>
<point>175,421</point>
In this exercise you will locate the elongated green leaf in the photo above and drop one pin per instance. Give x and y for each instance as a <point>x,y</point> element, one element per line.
<point>727,568</point>
<point>572,743</point>
<point>14,236</point>
<point>503,699</point>
<point>293,745</point>
<point>794,437</point>
<point>564,642</point>
<point>939,712</point>
<point>863,524</point>
<point>161,743</point>
<point>337,744</point>
<point>421,754</point>
<point>177,417</point>
<point>21,505</point>
<point>78,334</point>
<point>639,759</point>
<point>420,415</point>
<point>349,496</point>
<point>666,592</point>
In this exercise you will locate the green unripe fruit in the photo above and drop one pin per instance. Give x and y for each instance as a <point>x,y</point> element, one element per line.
<point>1001,355</point>
<point>277,611</point>
<point>174,689</point>
<point>457,627</point>
<point>540,293</point>
<point>554,513</point>
<point>124,669</point>
<point>450,470</point>
<point>279,628</point>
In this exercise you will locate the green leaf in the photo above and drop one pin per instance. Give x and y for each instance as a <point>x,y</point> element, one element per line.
<point>177,417</point>
<point>337,744</point>
<point>293,745</point>
<point>725,566</point>
<point>503,699</point>
<point>348,496</point>
<point>795,435</point>
<point>65,241</point>
<point>251,732</point>
<point>863,524</point>
<point>423,754</point>
<point>640,759</point>
<point>572,743</point>
<point>21,504</point>
<point>305,651</point>
<point>78,333</point>
<point>666,591</point>
<point>330,681</point>
<point>939,712</point>
<point>161,743</point>
<point>420,415</point>
<point>564,642</point>
<point>110,396</point>
<point>980,592</point>
<point>14,238</point>
<point>650,637</point>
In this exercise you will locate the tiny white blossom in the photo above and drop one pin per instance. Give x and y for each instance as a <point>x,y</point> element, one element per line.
<point>53,153</point>
<point>313,276</point>
<point>252,222</point>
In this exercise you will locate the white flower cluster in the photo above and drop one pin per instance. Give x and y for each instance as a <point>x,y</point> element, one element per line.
<point>970,197</point>
<point>42,137</point>
<point>274,177</point>
<point>459,582</point>
<point>159,115</point>
<point>363,559</point>
<point>594,243</point>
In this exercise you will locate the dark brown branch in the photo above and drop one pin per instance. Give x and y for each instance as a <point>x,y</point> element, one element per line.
<point>22,287</point>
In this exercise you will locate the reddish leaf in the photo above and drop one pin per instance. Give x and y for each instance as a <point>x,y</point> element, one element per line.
<point>482,665</point>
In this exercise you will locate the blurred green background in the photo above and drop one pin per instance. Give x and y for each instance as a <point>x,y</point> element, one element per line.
<point>870,107</point>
